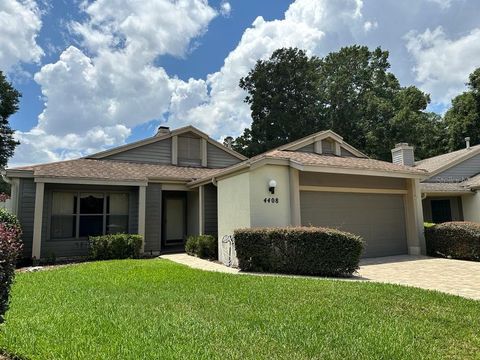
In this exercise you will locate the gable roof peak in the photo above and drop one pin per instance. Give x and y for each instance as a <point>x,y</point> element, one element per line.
<point>163,136</point>
<point>318,136</point>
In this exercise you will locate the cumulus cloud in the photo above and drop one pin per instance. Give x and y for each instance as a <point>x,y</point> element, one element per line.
<point>111,85</point>
<point>308,24</point>
<point>97,91</point>
<point>151,28</point>
<point>110,80</point>
<point>442,65</point>
<point>20,22</point>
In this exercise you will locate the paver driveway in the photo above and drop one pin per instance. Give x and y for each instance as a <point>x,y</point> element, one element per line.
<point>451,276</point>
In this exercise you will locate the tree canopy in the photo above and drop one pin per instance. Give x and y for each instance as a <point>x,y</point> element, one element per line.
<point>9,100</point>
<point>350,92</point>
<point>463,118</point>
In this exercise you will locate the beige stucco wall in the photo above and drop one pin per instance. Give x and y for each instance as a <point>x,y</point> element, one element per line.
<point>241,203</point>
<point>233,209</point>
<point>471,207</point>
<point>265,213</point>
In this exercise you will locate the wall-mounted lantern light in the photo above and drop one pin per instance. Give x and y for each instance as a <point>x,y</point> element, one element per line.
<point>272,184</point>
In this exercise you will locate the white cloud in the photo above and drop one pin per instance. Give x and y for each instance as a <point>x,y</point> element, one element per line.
<point>55,148</point>
<point>370,25</point>
<point>151,28</point>
<point>113,81</point>
<point>306,25</point>
<point>103,95</point>
<point>225,9</point>
<point>20,22</point>
<point>442,65</point>
<point>108,83</point>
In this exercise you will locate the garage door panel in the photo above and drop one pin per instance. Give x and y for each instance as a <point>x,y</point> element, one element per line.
<point>378,218</point>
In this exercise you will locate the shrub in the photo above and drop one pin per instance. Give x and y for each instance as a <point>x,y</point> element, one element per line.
<point>10,220</point>
<point>115,246</point>
<point>457,240</point>
<point>203,246</point>
<point>298,250</point>
<point>10,249</point>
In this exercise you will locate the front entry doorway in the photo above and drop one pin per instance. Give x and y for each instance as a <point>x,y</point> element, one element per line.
<point>174,220</point>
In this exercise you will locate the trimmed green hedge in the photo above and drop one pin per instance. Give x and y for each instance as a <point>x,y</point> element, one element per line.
<point>115,246</point>
<point>203,246</point>
<point>456,240</point>
<point>298,250</point>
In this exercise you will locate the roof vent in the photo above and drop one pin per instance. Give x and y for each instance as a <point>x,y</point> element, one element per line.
<point>403,154</point>
<point>467,142</point>
<point>228,142</point>
<point>163,130</point>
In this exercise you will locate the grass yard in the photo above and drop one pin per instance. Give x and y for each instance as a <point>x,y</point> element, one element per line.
<point>156,309</point>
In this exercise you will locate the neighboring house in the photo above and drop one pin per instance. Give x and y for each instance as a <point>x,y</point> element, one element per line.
<point>141,187</point>
<point>450,193</point>
<point>183,183</point>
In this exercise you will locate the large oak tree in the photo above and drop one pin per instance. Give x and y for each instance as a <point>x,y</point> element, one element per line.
<point>350,92</point>
<point>463,118</point>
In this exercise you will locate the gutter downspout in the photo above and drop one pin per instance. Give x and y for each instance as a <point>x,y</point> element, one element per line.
<point>14,188</point>
<point>3,173</point>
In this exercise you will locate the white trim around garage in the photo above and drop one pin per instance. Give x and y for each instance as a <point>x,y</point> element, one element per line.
<point>352,171</point>
<point>353,190</point>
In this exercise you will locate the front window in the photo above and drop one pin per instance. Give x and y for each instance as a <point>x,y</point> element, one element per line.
<point>83,214</point>
<point>441,211</point>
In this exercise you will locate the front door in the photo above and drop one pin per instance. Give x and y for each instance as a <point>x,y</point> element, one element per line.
<point>174,220</point>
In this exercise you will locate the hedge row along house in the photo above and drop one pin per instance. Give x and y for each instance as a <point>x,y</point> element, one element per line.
<point>181,182</point>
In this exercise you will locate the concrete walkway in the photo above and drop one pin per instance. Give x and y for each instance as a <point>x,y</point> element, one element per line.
<point>200,264</point>
<point>450,276</point>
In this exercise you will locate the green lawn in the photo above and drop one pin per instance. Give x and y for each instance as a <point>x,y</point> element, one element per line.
<point>155,309</point>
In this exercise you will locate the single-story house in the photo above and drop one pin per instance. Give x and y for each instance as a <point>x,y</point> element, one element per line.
<point>450,192</point>
<point>142,187</point>
<point>181,183</point>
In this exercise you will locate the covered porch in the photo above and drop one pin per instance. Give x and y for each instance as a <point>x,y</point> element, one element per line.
<point>443,202</point>
<point>65,213</point>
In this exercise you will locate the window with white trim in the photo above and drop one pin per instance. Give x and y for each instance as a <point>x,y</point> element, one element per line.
<point>82,214</point>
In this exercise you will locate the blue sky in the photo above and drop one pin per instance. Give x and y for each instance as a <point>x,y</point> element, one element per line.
<point>99,73</point>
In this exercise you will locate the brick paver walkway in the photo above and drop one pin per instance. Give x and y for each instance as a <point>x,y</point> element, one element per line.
<point>450,276</point>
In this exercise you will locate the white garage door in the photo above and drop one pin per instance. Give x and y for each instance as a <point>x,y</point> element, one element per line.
<point>378,218</point>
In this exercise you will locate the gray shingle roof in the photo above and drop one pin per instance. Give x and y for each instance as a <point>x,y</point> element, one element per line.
<point>444,187</point>
<point>305,158</point>
<point>116,170</point>
<point>434,163</point>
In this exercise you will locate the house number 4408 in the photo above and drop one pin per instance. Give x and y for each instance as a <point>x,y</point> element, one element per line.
<point>270,200</point>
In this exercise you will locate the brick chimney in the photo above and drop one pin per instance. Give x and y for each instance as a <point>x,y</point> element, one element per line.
<point>228,142</point>
<point>163,130</point>
<point>403,154</point>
